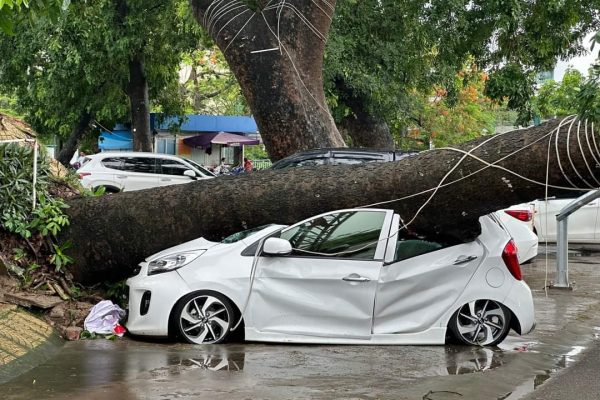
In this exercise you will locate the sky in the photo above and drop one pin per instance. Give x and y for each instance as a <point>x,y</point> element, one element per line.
<point>582,63</point>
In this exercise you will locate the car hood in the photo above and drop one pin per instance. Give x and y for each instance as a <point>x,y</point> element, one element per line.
<point>196,244</point>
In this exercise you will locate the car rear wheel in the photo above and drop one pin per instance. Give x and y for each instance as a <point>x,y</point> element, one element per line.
<point>204,318</point>
<point>481,322</point>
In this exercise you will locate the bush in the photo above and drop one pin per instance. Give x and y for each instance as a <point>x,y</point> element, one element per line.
<point>16,194</point>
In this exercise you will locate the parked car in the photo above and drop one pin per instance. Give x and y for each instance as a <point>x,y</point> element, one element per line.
<point>342,155</point>
<point>518,222</point>
<point>583,224</point>
<point>127,171</point>
<point>339,277</point>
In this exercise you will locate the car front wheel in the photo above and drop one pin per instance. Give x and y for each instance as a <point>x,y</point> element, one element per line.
<point>481,322</point>
<point>204,318</point>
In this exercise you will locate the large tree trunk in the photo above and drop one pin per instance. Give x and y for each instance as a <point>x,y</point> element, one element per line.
<point>82,126</point>
<point>140,105</point>
<point>363,127</point>
<point>112,234</point>
<point>276,54</point>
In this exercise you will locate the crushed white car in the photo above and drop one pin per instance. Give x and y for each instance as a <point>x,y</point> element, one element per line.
<point>340,277</point>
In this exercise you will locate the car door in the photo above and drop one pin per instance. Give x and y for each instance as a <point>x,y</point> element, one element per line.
<point>326,287</point>
<point>581,226</point>
<point>137,173</point>
<point>417,290</point>
<point>171,172</point>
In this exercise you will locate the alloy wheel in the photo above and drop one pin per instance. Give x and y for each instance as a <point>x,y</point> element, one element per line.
<point>481,322</point>
<point>205,319</point>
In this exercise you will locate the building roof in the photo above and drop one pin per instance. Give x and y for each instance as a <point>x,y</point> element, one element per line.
<point>207,123</point>
<point>14,129</point>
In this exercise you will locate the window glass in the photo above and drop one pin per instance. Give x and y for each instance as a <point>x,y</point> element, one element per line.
<point>310,162</point>
<point>113,163</point>
<point>172,167</point>
<point>236,237</point>
<point>352,234</point>
<point>165,145</point>
<point>354,160</point>
<point>200,168</point>
<point>140,164</point>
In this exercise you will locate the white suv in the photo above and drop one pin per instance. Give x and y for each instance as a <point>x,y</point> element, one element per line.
<point>126,171</point>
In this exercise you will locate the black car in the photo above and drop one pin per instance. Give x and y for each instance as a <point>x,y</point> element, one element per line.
<point>341,155</point>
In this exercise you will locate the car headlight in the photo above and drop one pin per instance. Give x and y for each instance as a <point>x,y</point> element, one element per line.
<point>173,261</point>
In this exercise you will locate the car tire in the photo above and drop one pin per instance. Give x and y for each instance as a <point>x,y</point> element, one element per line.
<point>480,323</point>
<point>204,317</point>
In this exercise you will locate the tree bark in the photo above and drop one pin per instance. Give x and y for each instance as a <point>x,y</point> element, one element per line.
<point>140,105</point>
<point>276,54</point>
<point>82,126</point>
<point>110,235</point>
<point>362,126</point>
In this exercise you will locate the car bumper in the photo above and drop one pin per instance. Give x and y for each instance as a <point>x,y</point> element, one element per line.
<point>151,299</point>
<point>520,302</point>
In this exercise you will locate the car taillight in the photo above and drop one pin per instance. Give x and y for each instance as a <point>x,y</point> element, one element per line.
<point>521,215</point>
<point>509,255</point>
<point>82,174</point>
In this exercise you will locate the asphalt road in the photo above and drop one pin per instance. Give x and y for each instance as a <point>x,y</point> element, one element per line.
<point>581,381</point>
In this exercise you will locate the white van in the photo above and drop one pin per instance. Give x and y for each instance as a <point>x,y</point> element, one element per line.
<point>127,171</point>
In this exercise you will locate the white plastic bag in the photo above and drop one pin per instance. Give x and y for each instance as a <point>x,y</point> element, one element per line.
<point>103,318</point>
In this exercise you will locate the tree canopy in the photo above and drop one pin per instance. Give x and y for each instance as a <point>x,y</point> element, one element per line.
<point>79,65</point>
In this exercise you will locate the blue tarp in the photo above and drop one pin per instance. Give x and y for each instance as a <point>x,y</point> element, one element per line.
<point>207,123</point>
<point>117,140</point>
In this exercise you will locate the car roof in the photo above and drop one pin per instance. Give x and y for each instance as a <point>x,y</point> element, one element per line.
<point>133,154</point>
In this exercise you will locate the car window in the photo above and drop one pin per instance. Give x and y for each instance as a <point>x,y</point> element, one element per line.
<point>200,168</point>
<point>414,247</point>
<point>172,167</point>
<point>355,160</point>
<point>113,163</point>
<point>309,162</point>
<point>140,164</point>
<point>352,234</point>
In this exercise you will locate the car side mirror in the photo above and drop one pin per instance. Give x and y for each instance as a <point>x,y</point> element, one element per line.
<point>277,247</point>
<point>190,173</point>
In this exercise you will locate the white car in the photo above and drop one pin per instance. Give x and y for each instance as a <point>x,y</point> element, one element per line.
<point>518,222</point>
<point>127,171</point>
<point>340,277</point>
<point>583,226</point>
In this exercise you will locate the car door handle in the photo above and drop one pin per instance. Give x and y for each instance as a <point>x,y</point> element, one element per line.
<point>464,259</point>
<point>355,278</point>
<point>122,176</point>
<point>165,179</point>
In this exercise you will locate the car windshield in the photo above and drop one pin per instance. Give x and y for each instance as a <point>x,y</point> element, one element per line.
<point>243,234</point>
<point>200,168</point>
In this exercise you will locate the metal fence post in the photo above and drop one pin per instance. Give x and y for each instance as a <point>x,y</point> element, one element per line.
<point>562,239</point>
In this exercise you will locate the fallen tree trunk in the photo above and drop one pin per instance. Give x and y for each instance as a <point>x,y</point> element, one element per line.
<point>110,235</point>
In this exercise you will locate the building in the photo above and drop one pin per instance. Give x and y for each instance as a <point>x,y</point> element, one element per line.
<point>202,138</point>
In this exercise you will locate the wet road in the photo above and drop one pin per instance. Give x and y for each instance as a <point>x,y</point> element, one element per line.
<point>568,323</point>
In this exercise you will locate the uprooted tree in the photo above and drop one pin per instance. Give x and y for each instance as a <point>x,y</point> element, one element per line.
<point>110,235</point>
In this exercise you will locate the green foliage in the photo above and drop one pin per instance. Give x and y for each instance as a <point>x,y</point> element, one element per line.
<point>80,65</point>
<point>559,99</point>
<point>256,152</point>
<point>455,114</point>
<point>385,50</point>
<point>16,196</point>
<point>59,258</point>
<point>515,85</point>
<point>117,292</point>
<point>16,188</point>
<point>12,11</point>
<point>588,98</point>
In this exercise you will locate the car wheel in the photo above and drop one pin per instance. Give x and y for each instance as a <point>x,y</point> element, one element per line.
<point>204,318</point>
<point>481,322</point>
